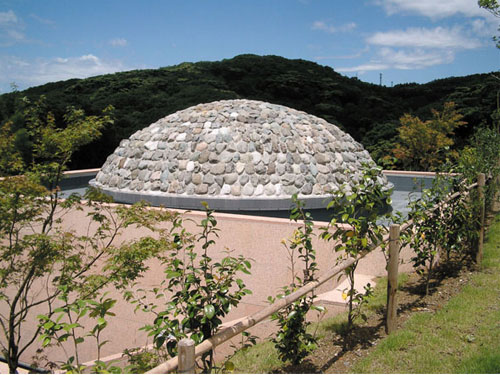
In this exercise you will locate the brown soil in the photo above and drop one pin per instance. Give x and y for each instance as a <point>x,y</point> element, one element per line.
<point>335,354</point>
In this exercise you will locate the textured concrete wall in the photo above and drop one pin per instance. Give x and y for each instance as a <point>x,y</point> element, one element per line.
<point>257,238</point>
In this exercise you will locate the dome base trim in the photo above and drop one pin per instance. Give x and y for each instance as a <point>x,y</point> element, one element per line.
<point>222,203</point>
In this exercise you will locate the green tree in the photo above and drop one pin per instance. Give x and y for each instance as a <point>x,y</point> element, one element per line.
<point>359,207</point>
<point>425,145</point>
<point>490,5</point>
<point>494,8</point>
<point>482,156</point>
<point>42,264</point>
<point>11,162</point>
<point>429,229</point>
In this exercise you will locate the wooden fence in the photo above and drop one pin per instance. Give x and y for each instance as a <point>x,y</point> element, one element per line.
<point>188,352</point>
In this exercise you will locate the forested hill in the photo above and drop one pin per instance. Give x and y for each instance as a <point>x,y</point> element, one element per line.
<point>370,113</point>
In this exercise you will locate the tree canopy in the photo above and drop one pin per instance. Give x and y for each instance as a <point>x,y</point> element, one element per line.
<point>425,145</point>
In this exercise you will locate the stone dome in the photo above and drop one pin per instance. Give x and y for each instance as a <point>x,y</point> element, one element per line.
<point>235,155</point>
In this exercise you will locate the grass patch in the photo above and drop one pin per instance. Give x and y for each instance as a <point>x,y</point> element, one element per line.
<point>464,336</point>
<point>261,358</point>
<point>484,362</point>
<point>378,301</point>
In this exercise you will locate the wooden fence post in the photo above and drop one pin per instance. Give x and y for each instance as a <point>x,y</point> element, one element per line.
<point>186,357</point>
<point>392,279</point>
<point>481,180</point>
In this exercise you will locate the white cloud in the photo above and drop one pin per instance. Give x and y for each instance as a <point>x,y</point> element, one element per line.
<point>403,59</point>
<point>93,59</point>
<point>7,18</point>
<point>434,9</point>
<point>439,37</point>
<point>44,21</point>
<point>320,25</point>
<point>323,26</point>
<point>30,73</point>
<point>483,28</point>
<point>11,29</point>
<point>363,68</point>
<point>415,59</point>
<point>15,35</point>
<point>118,42</point>
<point>422,47</point>
<point>479,27</point>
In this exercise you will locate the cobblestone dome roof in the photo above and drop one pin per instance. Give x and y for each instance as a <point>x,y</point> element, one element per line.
<point>236,155</point>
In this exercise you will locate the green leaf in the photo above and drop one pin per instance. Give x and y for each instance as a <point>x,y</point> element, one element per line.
<point>196,337</point>
<point>64,337</point>
<point>229,366</point>
<point>173,274</point>
<point>69,327</point>
<point>209,311</point>
<point>318,308</point>
<point>364,242</point>
<point>79,340</point>
<point>46,341</point>
<point>83,312</point>
<point>101,321</point>
<point>159,340</point>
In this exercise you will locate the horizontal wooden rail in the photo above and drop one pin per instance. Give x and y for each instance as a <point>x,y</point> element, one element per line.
<point>250,321</point>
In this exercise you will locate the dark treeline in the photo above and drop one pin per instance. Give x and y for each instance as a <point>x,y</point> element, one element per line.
<point>370,113</point>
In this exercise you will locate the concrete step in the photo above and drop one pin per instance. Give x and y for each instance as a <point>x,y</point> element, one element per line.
<point>334,297</point>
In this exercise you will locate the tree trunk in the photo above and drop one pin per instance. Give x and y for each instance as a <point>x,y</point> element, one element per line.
<point>429,273</point>
<point>351,296</point>
<point>12,360</point>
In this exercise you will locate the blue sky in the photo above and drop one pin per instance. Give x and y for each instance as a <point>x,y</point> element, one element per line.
<point>405,40</point>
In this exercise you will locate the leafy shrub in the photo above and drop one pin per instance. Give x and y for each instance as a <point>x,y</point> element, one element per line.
<point>482,156</point>
<point>197,291</point>
<point>442,225</point>
<point>359,207</point>
<point>292,340</point>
